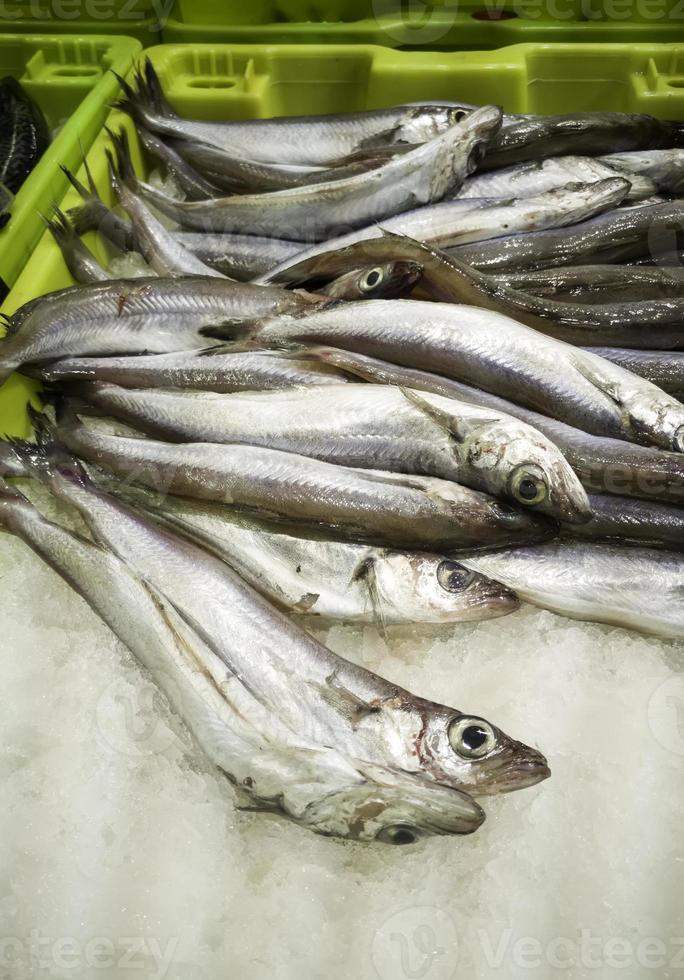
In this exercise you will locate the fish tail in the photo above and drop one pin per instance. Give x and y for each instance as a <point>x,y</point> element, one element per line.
<point>145,96</point>
<point>47,456</point>
<point>61,229</point>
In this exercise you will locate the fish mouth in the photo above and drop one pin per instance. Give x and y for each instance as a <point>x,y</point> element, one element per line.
<point>523,773</point>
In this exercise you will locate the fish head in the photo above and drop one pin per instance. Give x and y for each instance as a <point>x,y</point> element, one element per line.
<point>422,587</point>
<point>657,419</point>
<point>421,123</point>
<point>389,280</point>
<point>391,807</point>
<point>471,754</point>
<point>520,463</point>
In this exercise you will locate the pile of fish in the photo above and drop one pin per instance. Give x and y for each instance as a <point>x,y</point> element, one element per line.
<point>405,366</point>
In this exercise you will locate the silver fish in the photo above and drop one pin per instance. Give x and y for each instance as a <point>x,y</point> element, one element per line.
<point>305,140</point>
<point>388,509</point>
<point>211,370</point>
<point>633,521</point>
<point>155,242</point>
<point>240,257</point>
<point>617,236</point>
<point>322,697</point>
<point>606,466</point>
<point>593,133</point>
<point>367,426</point>
<point>450,223</point>
<point>601,583</point>
<point>665,168</point>
<point>133,316</point>
<point>78,258</point>
<point>271,766</point>
<point>317,576</point>
<point>495,353</point>
<point>536,176</point>
<point>422,176</point>
<point>662,368</point>
<point>599,283</point>
<point>194,185</point>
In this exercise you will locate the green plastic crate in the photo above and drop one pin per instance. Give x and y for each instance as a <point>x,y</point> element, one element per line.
<point>139,19</point>
<point>428,24</point>
<point>68,78</point>
<point>242,82</point>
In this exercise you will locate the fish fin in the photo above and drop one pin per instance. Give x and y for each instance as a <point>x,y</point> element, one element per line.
<point>123,168</point>
<point>457,428</point>
<point>349,704</point>
<point>306,603</point>
<point>593,375</point>
<point>365,574</point>
<point>145,95</point>
<point>231,329</point>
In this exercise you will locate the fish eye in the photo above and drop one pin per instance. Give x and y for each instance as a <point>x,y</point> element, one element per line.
<point>528,485</point>
<point>371,279</point>
<point>399,834</point>
<point>454,577</point>
<point>472,738</point>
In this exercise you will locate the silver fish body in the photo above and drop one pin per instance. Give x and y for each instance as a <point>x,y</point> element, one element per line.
<point>534,177</point>
<point>618,236</point>
<point>599,283</point>
<point>664,168</point>
<point>318,695</point>
<point>211,370</point>
<point>662,368</point>
<point>605,466</point>
<point>304,140</point>
<point>132,316</point>
<point>338,580</point>
<point>267,762</point>
<point>601,583</point>
<point>624,520</point>
<point>240,257</point>
<point>499,355</point>
<point>452,223</point>
<point>367,426</point>
<point>389,509</point>
<point>422,176</point>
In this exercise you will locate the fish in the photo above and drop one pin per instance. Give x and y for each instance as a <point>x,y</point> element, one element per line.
<point>10,462</point>
<point>240,257</point>
<point>366,426</point>
<point>24,134</point>
<point>193,184</point>
<point>628,521</point>
<point>636,588</point>
<point>604,466</point>
<point>148,315</point>
<point>599,283</point>
<point>314,575</point>
<point>78,258</point>
<point>391,280</point>
<point>388,509</point>
<point>450,223</point>
<point>156,244</point>
<point>94,215</point>
<point>663,167</point>
<point>317,694</point>
<point>422,176</point>
<point>593,133</point>
<point>491,351</point>
<point>308,141</point>
<point>208,370</point>
<point>533,177</point>
<point>662,368</point>
<point>271,766</point>
<point>616,236</point>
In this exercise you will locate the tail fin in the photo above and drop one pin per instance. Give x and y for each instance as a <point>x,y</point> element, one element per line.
<point>145,97</point>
